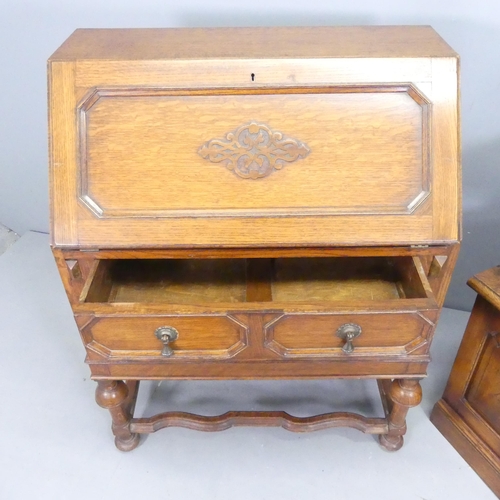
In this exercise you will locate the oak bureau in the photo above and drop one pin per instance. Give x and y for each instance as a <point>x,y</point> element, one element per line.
<point>255,203</point>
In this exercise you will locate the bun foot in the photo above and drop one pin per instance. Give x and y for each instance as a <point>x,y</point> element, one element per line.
<point>128,444</point>
<point>391,443</point>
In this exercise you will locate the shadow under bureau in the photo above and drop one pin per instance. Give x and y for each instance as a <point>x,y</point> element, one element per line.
<point>255,203</point>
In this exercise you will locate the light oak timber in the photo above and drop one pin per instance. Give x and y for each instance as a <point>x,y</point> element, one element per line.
<point>382,334</point>
<point>248,252</point>
<point>278,231</point>
<point>149,224</point>
<point>214,336</point>
<point>237,73</point>
<point>276,43</point>
<point>62,152</point>
<point>110,151</point>
<point>261,193</point>
<point>446,144</point>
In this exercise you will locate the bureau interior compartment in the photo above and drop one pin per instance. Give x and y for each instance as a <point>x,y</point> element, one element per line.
<point>197,281</point>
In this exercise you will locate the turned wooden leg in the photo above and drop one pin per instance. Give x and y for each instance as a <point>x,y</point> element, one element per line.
<point>403,395</point>
<point>114,396</point>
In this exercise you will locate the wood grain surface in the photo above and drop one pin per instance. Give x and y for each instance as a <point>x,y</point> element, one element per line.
<point>284,280</point>
<point>274,42</point>
<point>366,154</point>
<point>384,153</point>
<point>335,199</point>
<point>199,336</point>
<point>316,335</point>
<point>259,418</point>
<point>468,412</point>
<point>487,284</point>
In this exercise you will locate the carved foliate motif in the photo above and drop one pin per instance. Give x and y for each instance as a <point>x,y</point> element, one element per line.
<point>254,150</point>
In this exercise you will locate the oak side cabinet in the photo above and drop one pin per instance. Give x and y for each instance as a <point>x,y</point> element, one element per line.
<point>468,414</point>
<point>255,203</point>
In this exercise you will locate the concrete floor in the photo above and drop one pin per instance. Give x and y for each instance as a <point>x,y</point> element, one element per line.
<point>56,442</point>
<point>7,238</point>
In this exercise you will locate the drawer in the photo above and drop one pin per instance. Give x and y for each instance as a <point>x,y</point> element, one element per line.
<point>297,306</point>
<point>198,337</point>
<point>326,335</point>
<point>259,284</point>
<point>400,327</point>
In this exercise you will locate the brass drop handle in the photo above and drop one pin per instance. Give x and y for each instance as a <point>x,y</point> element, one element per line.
<point>166,334</point>
<point>348,332</point>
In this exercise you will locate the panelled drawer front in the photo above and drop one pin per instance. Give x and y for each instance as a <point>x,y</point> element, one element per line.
<point>207,336</point>
<point>382,334</point>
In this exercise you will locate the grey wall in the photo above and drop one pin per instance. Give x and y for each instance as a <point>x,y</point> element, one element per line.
<point>30,31</point>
